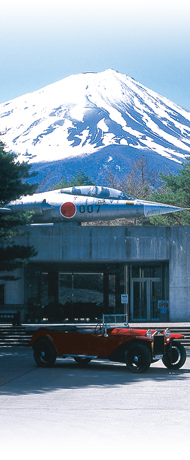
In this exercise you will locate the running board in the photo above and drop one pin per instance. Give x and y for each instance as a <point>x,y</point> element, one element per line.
<point>78,356</point>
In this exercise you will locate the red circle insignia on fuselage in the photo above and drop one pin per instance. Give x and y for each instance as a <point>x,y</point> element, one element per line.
<point>68,209</point>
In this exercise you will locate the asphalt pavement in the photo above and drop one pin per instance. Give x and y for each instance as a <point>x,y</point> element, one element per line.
<point>102,410</point>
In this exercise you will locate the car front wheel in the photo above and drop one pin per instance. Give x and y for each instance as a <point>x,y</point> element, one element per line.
<point>176,357</point>
<point>138,358</point>
<point>44,353</point>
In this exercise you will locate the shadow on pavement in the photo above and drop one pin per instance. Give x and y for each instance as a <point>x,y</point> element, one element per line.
<point>20,375</point>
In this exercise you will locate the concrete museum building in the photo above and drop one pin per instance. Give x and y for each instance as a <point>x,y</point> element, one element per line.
<point>83,271</point>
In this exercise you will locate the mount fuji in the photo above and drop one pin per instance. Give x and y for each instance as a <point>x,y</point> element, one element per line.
<point>96,122</point>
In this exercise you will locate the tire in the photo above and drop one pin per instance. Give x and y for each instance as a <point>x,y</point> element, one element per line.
<point>82,361</point>
<point>138,358</point>
<point>44,353</point>
<point>176,358</point>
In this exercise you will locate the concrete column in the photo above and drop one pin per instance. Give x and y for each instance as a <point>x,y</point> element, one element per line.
<point>179,270</point>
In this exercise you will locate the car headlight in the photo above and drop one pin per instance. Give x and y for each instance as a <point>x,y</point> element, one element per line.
<point>167,333</point>
<point>149,333</point>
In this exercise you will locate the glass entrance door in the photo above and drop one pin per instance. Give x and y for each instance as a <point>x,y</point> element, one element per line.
<point>144,299</point>
<point>155,295</point>
<point>139,294</point>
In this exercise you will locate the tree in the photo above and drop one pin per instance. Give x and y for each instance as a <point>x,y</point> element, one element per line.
<point>79,179</point>
<point>175,190</point>
<point>139,182</point>
<point>13,185</point>
<point>140,179</point>
<point>112,179</point>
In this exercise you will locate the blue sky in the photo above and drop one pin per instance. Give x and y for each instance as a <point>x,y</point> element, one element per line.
<point>45,41</point>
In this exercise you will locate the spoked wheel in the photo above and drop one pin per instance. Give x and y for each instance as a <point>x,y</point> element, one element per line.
<point>82,361</point>
<point>138,358</point>
<point>176,357</point>
<point>44,353</point>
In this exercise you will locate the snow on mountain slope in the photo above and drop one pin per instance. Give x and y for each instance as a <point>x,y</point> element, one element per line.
<point>91,112</point>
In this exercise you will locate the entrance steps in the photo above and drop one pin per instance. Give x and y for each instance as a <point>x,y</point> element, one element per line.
<point>11,336</point>
<point>21,335</point>
<point>185,331</point>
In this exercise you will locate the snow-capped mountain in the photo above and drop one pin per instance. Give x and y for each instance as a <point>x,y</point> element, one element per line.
<point>95,121</point>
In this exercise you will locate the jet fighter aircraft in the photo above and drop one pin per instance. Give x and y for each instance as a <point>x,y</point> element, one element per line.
<point>85,204</point>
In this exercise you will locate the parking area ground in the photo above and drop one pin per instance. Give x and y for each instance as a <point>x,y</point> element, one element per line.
<point>101,410</point>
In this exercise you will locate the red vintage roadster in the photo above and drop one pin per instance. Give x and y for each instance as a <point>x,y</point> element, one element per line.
<point>137,348</point>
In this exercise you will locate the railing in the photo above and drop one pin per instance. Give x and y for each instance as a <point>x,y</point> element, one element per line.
<point>114,320</point>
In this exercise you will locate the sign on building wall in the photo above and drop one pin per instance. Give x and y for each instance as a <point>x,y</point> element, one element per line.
<point>124,298</point>
<point>163,304</point>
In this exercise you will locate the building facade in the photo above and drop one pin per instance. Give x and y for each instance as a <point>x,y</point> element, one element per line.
<point>84,271</point>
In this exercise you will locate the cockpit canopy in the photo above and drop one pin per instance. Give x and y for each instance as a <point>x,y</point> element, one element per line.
<point>97,192</point>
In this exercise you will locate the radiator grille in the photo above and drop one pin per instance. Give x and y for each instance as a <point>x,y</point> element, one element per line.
<point>158,347</point>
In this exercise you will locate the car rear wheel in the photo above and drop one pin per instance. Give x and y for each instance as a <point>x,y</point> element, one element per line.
<point>176,358</point>
<point>82,361</point>
<point>44,353</point>
<point>138,358</point>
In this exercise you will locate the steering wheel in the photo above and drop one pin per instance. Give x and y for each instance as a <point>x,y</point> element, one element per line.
<point>98,329</point>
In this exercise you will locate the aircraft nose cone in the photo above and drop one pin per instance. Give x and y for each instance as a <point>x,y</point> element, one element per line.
<point>152,209</point>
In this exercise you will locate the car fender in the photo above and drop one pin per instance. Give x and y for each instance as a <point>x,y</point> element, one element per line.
<point>141,338</point>
<point>176,336</point>
<point>119,353</point>
<point>36,338</point>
